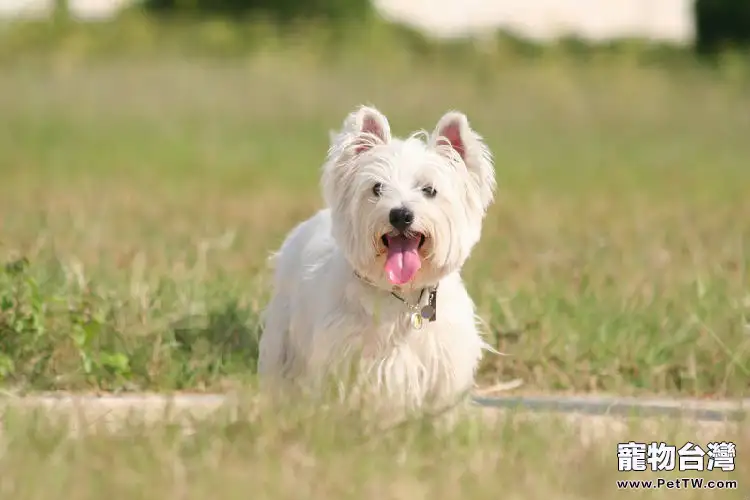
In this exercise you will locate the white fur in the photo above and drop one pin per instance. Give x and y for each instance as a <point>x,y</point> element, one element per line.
<point>323,320</point>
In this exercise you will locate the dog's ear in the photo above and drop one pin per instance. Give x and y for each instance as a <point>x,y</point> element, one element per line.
<point>453,133</point>
<point>366,127</point>
<point>454,138</point>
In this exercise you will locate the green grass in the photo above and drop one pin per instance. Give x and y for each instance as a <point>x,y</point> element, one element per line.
<point>145,188</point>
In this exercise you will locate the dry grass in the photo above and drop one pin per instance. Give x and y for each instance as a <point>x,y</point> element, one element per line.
<point>244,449</point>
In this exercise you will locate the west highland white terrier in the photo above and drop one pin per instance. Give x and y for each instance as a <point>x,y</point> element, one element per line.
<point>367,293</point>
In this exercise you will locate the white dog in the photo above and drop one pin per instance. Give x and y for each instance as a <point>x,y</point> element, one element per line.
<point>369,287</point>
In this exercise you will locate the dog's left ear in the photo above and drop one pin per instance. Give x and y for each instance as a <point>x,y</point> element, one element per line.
<point>454,138</point>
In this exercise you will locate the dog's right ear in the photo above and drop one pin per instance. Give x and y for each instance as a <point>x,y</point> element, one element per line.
<point>364,128</point>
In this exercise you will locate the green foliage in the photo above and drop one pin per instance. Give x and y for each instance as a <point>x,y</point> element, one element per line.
<point>281,11</point>
<point>23,340</point>
<point>722,24</point>
<point>70,337</point>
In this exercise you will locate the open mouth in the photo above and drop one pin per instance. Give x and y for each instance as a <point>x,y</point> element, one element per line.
<point>386,237</point>
<point>403,260</point>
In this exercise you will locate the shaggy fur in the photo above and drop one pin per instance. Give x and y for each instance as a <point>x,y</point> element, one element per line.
<point>332,314</point>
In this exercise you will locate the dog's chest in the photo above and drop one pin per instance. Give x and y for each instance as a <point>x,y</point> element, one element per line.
<point>376,332</point>
<point>407,363</point>
<point>388,330</point>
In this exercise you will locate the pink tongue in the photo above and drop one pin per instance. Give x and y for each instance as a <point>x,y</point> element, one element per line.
<point>403,261</point>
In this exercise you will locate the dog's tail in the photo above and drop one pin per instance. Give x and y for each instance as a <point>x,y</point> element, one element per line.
<point>484,330</point>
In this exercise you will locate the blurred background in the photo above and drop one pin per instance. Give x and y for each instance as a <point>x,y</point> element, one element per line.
<point>707,24</point>
<point>153,153</point>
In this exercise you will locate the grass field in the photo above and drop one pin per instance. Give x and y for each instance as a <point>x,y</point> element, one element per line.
<point>146,194</point>
<point>141,194</point>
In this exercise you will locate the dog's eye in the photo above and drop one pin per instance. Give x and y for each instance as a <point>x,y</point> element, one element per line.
<point>429,191</point>
<point>377,189</point>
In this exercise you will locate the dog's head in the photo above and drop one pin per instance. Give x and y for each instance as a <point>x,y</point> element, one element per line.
<point>407,212</point>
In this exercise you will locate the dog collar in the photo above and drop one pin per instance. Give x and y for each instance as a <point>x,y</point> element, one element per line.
<point>418,313</point>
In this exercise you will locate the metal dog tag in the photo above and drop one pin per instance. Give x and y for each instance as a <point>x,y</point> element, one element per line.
<point>427,312</point>
<point>416,321</point>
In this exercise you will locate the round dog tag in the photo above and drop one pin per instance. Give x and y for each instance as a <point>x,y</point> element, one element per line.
<point>427,311</point>
<point>416,321</point>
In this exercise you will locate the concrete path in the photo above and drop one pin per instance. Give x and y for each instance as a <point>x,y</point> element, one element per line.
<point>595,420</point>
<point>596,417</point>
<point>698,410</point>
<point>693,409</point>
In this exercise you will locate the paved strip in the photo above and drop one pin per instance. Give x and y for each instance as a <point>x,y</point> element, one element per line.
<point>695,410</point>
<point>595,420</point>
<point>698,410</point>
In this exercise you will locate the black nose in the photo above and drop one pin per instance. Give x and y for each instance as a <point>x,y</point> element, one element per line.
<point>401,218</point>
